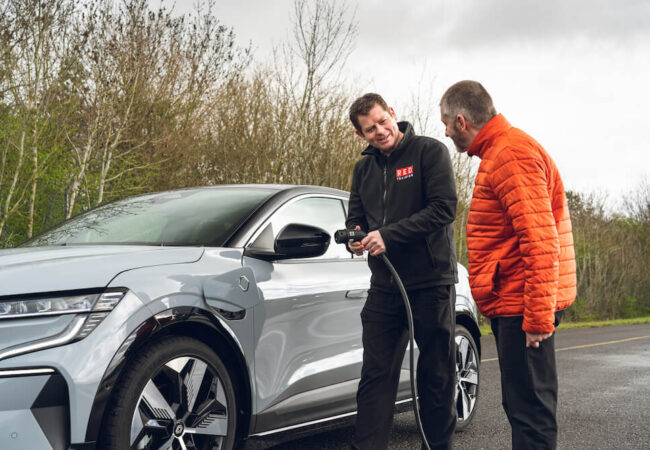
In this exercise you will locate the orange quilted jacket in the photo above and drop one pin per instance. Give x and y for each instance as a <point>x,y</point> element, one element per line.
<point>521,257</point>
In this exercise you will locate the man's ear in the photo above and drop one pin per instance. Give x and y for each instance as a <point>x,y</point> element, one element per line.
<point>461,122</point>
<point>391,111</point>
<point>360,134</point>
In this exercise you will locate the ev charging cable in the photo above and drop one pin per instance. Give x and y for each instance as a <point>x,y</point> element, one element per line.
<point>345,236</point>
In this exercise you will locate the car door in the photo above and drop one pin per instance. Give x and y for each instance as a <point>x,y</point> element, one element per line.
<point>308,352</point>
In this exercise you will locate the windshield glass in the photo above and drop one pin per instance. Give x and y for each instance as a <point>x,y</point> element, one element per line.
<point>188,217</point>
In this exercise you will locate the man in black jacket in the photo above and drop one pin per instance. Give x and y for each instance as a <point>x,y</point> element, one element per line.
<point>403,195</point>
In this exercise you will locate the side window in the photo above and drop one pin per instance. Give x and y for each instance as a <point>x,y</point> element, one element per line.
<point>321,212</point>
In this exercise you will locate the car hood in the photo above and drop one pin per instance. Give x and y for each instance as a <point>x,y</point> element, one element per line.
<point>46,269</point>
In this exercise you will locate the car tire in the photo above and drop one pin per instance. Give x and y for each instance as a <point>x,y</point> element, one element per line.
<point>467,377</point>
<point>174,389</point>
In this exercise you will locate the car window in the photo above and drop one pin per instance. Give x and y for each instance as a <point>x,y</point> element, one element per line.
<point>321,212</point>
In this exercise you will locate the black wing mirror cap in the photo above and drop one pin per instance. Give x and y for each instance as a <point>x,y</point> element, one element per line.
<point>294,241</point>
<point>302,241</point>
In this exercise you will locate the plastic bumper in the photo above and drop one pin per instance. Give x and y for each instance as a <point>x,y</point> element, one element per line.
<point>34,411</point>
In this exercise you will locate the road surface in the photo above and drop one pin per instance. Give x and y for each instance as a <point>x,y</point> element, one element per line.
<point>604,398</point>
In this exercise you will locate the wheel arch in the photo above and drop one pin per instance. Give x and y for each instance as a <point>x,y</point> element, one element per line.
<point>179,321</point>
<point>467,321</point>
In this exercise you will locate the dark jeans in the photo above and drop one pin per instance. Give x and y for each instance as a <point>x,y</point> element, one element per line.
<point>528,384</point>
<point>385,337</point>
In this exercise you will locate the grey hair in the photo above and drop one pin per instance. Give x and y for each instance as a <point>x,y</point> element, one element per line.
<point>470,99</point>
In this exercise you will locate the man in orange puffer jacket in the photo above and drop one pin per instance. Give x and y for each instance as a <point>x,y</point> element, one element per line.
<point>521,259</point>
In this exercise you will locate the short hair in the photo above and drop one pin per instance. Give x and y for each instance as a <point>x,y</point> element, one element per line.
<point>363,105</point>
<point>470,99</point>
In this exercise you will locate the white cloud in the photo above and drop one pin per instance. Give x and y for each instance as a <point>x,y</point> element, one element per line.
<point>475,23</point>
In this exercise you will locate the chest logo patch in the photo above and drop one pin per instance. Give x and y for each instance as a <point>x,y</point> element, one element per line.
<point>402,174</point>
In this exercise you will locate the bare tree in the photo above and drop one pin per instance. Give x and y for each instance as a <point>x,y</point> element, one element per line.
<point>637,203</point>
<point>323,36</point>
<point>148,78</point>
<point>35,40</point>
<point>288,123</point>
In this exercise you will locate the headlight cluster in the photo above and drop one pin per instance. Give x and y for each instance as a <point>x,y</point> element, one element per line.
<point>95,302</point>
<point>89,309</point>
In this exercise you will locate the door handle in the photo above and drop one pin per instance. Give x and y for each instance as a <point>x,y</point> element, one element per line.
<point>357,294</point>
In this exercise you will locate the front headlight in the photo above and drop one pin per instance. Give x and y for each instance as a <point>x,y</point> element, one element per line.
<point>89,309</point>
<point>37,306</point>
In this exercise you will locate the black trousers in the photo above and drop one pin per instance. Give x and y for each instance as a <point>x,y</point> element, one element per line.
<point>528,384</point>
<point>385,337</point>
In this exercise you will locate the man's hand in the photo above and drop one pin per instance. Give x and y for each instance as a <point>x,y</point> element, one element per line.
<point>356,247</point>
<point>533,339</point>
<point>374,243</point>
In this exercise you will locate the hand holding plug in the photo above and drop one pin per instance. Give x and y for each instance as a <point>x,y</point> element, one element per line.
<point>356,247</point>
<point>374,243</point>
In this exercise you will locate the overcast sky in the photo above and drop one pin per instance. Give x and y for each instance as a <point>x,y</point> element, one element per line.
<point>575,74</point>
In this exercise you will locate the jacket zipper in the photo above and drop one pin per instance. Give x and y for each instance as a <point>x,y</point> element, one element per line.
<point>383,222</point>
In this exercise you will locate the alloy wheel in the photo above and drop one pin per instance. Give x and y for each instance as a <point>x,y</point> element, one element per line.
<point>467,377</point>
<point>182,406</point>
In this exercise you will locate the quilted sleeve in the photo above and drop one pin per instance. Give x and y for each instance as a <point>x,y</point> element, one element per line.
<point>519,180</point>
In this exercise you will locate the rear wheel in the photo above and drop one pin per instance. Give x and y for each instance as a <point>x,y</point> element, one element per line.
<point>176,394</point>
<point>467,376</point>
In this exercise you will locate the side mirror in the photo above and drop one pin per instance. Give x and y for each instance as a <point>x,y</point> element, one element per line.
<point>301,241</point>
<point>294,241</point>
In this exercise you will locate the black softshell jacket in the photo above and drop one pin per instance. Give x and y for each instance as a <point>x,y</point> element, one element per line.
<point>410,197</point>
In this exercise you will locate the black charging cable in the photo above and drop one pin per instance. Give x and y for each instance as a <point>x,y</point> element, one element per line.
<point>345,236</point>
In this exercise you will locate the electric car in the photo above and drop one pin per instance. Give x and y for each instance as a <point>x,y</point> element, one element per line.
<point>194,318</point>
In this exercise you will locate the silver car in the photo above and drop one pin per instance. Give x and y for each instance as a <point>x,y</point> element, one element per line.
<point>194,318</point>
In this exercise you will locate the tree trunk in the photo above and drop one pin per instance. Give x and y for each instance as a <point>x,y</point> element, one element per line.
<point>7,209</point>
<point>32,194</point>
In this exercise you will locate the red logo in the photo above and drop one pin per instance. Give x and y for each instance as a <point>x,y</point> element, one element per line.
<point>406,172</point>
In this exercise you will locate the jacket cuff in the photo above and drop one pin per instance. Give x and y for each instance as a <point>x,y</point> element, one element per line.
<point>538,328</point>
<point>385,236</point>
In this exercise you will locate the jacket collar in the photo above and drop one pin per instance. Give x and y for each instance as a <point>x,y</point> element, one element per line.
<point>485,138</point>
<point>404,127</point>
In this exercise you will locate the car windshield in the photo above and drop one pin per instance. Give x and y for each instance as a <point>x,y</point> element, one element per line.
<point>187,217</point>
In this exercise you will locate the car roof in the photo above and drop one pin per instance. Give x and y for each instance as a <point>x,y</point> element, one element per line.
<point>293,189</point>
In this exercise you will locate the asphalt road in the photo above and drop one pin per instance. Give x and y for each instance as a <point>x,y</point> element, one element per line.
<point>604,400</point>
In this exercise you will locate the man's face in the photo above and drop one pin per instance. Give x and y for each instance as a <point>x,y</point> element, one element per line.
<point>379,129</point>
<point>453,130</point>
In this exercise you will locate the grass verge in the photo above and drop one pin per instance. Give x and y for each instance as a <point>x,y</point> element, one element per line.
<point>485,329</point>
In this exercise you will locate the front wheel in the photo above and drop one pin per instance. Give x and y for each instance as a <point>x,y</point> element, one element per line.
<point>175,394</point>
<point>467,377</point>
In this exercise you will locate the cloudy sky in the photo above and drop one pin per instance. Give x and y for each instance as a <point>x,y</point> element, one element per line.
<point>575,74</point>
